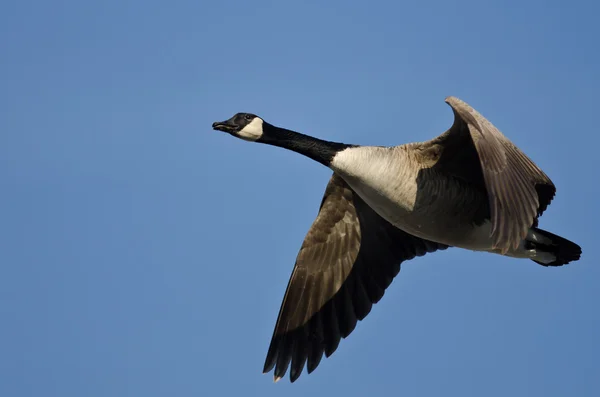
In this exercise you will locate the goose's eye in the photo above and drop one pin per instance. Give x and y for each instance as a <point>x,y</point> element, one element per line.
<point>248,117</point>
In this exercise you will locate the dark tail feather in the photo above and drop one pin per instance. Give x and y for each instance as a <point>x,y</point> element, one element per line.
<point>564,250</point>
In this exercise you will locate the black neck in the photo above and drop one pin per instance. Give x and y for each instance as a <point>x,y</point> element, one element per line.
<point>314,148</point>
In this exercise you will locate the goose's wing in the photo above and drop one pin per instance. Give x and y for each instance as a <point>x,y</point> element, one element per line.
<point>349,257</point>
<point>518,190</point>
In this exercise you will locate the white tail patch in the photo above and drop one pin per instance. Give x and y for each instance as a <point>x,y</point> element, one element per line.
<point>536,237</point>
<point>544,257</point>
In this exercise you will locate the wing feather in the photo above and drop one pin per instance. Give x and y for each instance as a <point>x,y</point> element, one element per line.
<point>348,258</point>
<point>518,190</point>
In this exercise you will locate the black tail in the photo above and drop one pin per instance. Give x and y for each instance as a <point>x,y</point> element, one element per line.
<point>563,250</point>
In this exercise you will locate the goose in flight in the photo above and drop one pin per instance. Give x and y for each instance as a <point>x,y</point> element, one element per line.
<point>470,188</point>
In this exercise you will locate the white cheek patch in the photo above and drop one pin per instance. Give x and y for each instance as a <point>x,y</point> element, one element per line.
<point>252,131</point>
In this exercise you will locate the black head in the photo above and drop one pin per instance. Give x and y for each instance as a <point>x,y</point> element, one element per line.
<point>246,126</point>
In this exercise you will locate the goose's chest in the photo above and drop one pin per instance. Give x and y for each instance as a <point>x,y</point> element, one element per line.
<point>409,197</point>
<point>394,200</point>
<point>381,177</point>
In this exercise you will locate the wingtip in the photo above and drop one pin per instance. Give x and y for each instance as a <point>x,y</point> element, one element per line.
<point>294,375</point>
<point>451,99</point>
<point>270,360</point>
<point>458,104</point>
<point>276,378</point>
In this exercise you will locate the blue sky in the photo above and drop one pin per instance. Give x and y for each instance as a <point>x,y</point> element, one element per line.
<point>143,254</point>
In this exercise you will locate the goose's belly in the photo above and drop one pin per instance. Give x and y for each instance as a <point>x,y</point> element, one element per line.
<point>444,216</point>
<point>417,201</point>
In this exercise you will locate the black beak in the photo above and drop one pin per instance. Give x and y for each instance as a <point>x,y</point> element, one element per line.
<point>225,126</point>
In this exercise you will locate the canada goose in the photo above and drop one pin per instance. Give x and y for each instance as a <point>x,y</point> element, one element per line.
<point>470,187</point>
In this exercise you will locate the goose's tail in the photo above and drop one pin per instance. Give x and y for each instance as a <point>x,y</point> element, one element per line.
<point>551,250</point>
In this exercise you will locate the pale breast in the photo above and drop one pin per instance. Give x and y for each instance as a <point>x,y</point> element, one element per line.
<point>413,197</point>
<point>380,176</point>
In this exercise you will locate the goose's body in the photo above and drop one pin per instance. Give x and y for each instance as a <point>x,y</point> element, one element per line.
<point>420,200</point>
<point>469,188</point>
<point>447,214</point>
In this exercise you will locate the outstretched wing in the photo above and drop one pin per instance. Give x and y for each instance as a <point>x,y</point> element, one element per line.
<point>349,257</point>
<point>518,190</point>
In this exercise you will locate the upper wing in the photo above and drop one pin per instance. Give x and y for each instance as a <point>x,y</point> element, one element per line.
<point>347,260</point>
<point>518,190</point>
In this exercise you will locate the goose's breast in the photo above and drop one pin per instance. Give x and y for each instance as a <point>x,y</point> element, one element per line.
<point>381,178</point>
<point>418,201</point>
<point>438,216</point>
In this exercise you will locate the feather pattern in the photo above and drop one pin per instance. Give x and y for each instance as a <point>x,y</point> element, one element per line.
<point>518,190</point>
<point>349,257</point>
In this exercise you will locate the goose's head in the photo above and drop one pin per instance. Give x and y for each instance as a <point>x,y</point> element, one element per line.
<point>250,127</point>
<point>246,126</point>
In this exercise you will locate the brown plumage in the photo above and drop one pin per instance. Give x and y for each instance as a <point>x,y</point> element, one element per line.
<point>517,189</point>
<point>349,257</point>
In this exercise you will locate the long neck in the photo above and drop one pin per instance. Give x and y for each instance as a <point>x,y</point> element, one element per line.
<point>314,148</point>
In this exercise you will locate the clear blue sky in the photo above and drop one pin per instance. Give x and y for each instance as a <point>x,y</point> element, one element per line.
<point>143,254</point>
